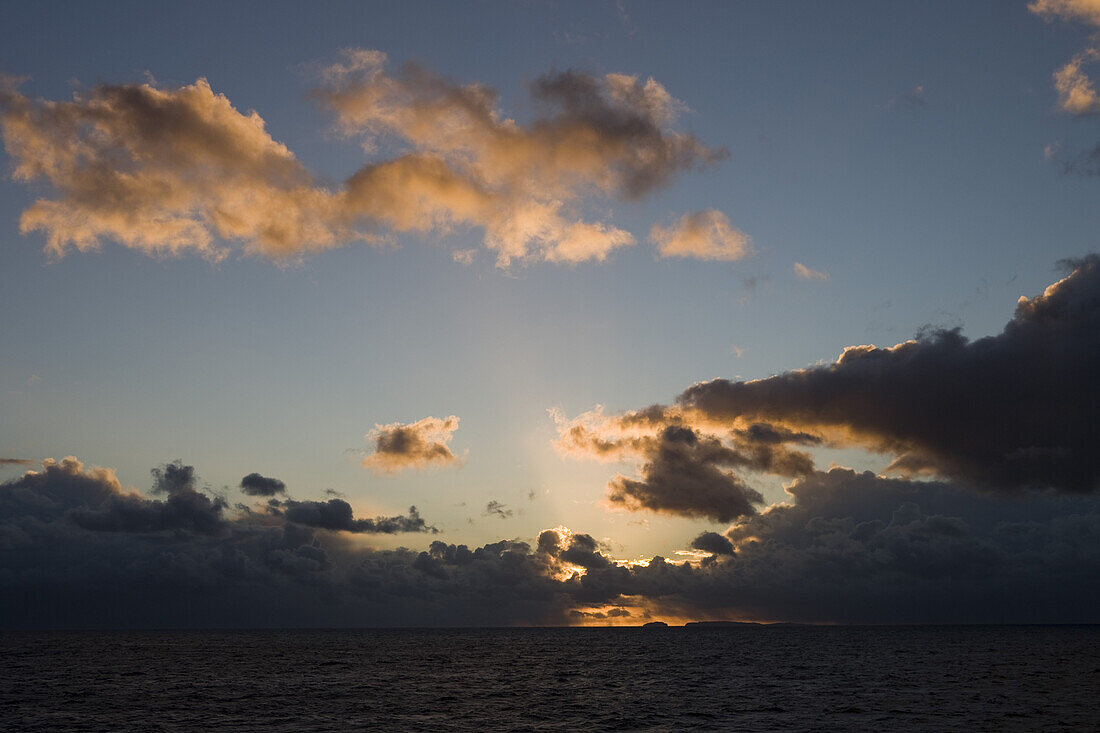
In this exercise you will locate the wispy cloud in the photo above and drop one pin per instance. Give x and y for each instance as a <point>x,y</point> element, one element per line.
<point>495,509</point>
<point>914,100</point>
<point>807,273</point>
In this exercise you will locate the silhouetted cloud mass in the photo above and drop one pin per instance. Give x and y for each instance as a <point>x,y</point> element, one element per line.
<point>713,543</point>
<point>1004,413</point>
<point>337,515</point>
<point>256,485</point>
<point>686,470</point>
<point>684,475</point>
<point>78,550</point>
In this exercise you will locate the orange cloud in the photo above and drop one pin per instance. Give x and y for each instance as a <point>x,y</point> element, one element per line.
<point>608,136</point>
<point>1086,11</point>
<point>163,171</point>
<point>171,171</point>
<point>1076,93</point>
<point>704,235</point>
<point>420,444</point>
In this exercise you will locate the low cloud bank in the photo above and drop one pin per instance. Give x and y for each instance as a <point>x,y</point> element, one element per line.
<point>77,550</point>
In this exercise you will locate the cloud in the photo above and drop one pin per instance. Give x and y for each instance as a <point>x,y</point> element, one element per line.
<point>165,171</point>
<point>1086,11</point>
<point>173,478</point>
<point>713,543</point>
<point>420,444</point>
<point>337,515</point>
<point>496,509</point>
<point>95,500</point>
<point>859,548</point>
<point>467,163</point>
<point>704,235</point>
<point>1076,92</point>
<point>174,170</point>
<point>685,470</point>
<point>847,547</point>
<point>17,462</point>
<point>684,475</point>
<point>1007,414</point>
<point>806,273</point>
<point>256,485</point>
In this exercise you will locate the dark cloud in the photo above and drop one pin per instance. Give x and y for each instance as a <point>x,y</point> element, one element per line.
<point>848,547</point>
<point>1005,412</point>
<point>184,510</point>
<point>173,478</point>
<point>495,509</point>
<point>713,543</point>
<point>256,485</point>
<point>17,462</point>
<point>583,551</point>
<point>685,469</point>
<point>860,548</point>
<point>617,113</point>
<point>762,433</point>
<point>337,515</point>
<point>685,476</point>
<point>59,487</point>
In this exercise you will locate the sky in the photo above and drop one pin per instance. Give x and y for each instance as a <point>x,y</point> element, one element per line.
<point>346,314</point>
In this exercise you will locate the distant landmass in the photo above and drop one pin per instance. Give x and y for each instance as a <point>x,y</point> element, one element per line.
<point>718,625</point>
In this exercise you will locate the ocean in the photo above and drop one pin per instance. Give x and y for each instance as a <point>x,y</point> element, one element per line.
<point>621,679</point>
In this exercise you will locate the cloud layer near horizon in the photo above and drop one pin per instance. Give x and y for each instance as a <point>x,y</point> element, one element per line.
<point>168,171</point>
<point>77,550</point>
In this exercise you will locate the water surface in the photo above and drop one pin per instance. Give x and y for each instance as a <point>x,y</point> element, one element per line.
<point>753,679</point>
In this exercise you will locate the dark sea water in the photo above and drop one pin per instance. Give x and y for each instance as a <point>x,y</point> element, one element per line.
<point>770,678</point>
